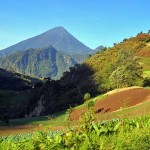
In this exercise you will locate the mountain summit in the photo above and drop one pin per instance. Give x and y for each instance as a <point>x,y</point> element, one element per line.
<point>58,37</point>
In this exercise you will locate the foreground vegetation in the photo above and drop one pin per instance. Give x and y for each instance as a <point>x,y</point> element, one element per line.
<point>88,134</point>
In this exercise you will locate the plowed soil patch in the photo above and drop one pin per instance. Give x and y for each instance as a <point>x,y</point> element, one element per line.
<point>117,100</point>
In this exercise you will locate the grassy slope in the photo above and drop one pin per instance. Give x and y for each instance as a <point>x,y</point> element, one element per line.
<point>145,63</point>
<point>57,119</point>
<point>102,63</point>
<point>146,73</point>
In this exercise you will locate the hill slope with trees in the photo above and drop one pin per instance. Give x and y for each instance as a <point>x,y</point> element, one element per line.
<point>46,62</point>
<point>105,63</point>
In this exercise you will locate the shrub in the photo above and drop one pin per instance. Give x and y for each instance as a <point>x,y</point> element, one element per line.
<point>90,104</point>
<point>87,96</point>
<point>146,81</point>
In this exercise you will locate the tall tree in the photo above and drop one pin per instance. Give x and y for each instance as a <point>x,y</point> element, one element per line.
<point>128,71</point>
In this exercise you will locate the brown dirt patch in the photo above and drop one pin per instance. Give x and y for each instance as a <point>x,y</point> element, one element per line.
<point>126,98</point>
<point>75,115</point>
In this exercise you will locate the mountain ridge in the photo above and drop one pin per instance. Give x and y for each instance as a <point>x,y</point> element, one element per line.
<point>46,62</point>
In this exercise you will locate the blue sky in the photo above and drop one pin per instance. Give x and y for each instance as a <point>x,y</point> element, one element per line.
<point>97,22</point>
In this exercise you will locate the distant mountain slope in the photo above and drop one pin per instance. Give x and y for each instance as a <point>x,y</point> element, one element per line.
<point>46,62</point>
<point>58,37</point>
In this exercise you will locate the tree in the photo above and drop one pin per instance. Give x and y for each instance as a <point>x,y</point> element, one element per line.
<point>128,71</point>
<point>140,33</point>
<point>114,44</point>
<point>117,77</point>
<point>87,96</point>
<point>103,49</point>
<point>89,56</point>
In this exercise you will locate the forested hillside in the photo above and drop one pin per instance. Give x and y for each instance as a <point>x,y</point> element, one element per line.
<point>46,62</point>
<point>103,64</point>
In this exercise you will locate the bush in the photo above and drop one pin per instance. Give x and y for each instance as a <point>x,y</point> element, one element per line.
<point>146,82</point>
<point>90,104</point>
<point>87,96</point>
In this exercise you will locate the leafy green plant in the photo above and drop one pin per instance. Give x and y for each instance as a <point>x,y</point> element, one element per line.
<point>90,104</point>
<point>87,96</point>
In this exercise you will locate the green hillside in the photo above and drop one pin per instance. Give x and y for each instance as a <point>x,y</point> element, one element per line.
<point>145,62</point>
<point>102,64</point>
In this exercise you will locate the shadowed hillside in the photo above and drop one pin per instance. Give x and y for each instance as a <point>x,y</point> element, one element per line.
<point>14,81</point>
<point>67,92</point>
<point>16,91</point>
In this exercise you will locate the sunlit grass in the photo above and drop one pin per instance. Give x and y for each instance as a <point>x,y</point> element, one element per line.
<point>146,73</point>
<point>145,63</point>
